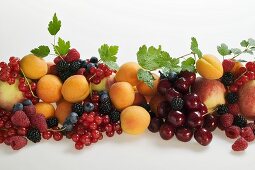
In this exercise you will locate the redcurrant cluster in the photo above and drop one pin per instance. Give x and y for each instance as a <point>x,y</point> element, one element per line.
<point>9,72</point>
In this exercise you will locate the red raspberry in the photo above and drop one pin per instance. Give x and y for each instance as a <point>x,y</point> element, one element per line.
<point>226,120</point>
<point>19,118</point>
<point>17,142</point>
<point>234,109</point>
<point>247,134</point>
<point>252,126</point>
<point>57,60</point>
<point>240,144</point>
<point>73,55</point>
<point>228,65</point>
<point>233,132</point>
<point>81,71</point>
<point>39,121</point>
<point>29,110</point>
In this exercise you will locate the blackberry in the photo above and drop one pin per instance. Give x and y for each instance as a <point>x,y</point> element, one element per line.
<point>83,64</point>
<point>227,79</point>
<point>105,107</point>
<point>114,116</point>
<point>240,121</point>
<point>75,66</point>
<point>222,109</point>
<point>232,98</point>
<point>78,108</point>
<point>62,66</point>
<point>52,122</point>
<point>65,75</point>
<point>177,103</point>
<point>93,60</point>
<point>34,135</point>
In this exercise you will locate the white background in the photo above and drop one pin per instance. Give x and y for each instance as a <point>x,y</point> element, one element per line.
<point>129,24</point>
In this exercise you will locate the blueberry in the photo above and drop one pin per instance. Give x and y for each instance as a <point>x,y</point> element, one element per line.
<point>17,107</point>
<point>104,97</point>
<point>88,107</point>
<point>172,76</point>
<point>68,126</point>
<point>93,60</point>
<point>90,65</point>
<point>27,102</point>
<point>83,64</point>
<point>73,119</point>
<point>73,114</point>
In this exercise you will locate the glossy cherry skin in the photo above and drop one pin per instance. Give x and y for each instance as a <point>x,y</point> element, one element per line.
<point>155,124</point>
<point>182,85</point>
<point>183,134</point>
<point>192,102</point>
<point>195,119</point>
<point>210,122</point>
<point>202,108</point>
<point>176,118</point>
<point>166,131</point>
<point>203,136</point>
<point>163,86</point>
<point>189,76</point>
<point>171,93</point>
<point>163,109</point>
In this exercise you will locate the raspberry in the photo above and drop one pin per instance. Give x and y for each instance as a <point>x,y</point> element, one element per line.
<point>226,120</point>
<point>19,118</point>
<point>39,122</point>
<point>252,126</point>
<point>222,109</point>
<point>228,65</point>
<point>232,98</point>
<point>247,134</point>
<point>73,55</point>
<point>17,142</point>
<point>29,110</point>
<point>81,71</point>
<point>227,79</point>
<point>57,60</point>
<point>233,132</point>
<point>177,103</point>
<point>233,109</point>
<point>240,144</point>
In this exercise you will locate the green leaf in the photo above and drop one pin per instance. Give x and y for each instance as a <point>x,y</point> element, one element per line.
<point>188,64</point>
<point>251,42</point>
<point>194,47</point>
<point>62,48</point>
<point>244,43</point>
<point>236,51</point>
<point>54,25</point>
<point>108,53</point>
<point>252,48</point>
<point>223,50</point>
<point>249,52</point>
<point>112,65</point>
<point>146,77</point>
<point>41,51</point>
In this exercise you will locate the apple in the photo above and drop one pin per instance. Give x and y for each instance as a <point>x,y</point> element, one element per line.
<point>9,95</point>
<point>211,92</point>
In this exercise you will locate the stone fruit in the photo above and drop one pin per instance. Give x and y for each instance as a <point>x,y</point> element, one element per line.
<point>9,95</point>
<point>211,92</point>
<point>75,89</point>
<point>146,90</point>
<point>166,131</point>
<point>45,109</point>
<point>128,73</point>
<point>154,102</point>
<point>209,67</point>
<point>134,120</point>
<point>63,110</point>
<point>122,95</point>
<point>33,66</point>
<point>49,88</point>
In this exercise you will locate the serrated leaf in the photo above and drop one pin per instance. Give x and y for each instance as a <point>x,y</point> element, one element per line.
<point>108,53</point>
<point>236,51</point>
<point>251,42</point>
<point>54,25</point>
<point>223,50</point>
<point>112,65</point>
<point>194,47</point>
<point>146,77</point>
<point>62,48</point>
<point>244,43</point>
<point>188,64</point>
<point>41,51</point>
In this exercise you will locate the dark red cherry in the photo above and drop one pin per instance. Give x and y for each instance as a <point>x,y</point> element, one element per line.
<point>183,134</point>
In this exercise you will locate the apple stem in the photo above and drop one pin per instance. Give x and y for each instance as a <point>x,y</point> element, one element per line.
<point>27,82</point>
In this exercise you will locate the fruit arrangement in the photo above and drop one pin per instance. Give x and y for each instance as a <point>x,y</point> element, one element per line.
<point>86,99</point>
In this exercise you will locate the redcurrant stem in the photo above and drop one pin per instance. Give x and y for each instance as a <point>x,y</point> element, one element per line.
<point>57,130</point>
<point>240,76</point>
<point>185,55</point>
<point>239,54</point>
<point>27,82</point>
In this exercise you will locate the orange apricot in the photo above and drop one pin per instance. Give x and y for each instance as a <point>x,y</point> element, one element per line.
<point>144,89</point>
<point>62,111</point>
<point>46,109</point>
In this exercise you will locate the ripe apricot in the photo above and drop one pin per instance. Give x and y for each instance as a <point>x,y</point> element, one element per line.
<point>49,88</point>
<point>122,95</point>
<point>209,67</point>
<point>128,73</point>
<point>33,66</point>
<point>62,111</point>
<point>134,120</point>
<point>75,89</point>
<point>145,89</point>
<point>46,109</point>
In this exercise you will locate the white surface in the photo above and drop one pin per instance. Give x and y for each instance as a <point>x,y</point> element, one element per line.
<point>129,24</point>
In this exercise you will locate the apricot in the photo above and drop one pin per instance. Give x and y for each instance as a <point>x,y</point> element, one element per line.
<point>139,99</point>
<point>75,89</point>
<point>209,67</point>
<point>128,73</point>
<point>49,88</point>
<point>144,89</point>
<point>154,102</point>
<point>45,109</point>
<point>63,110</point>
<point>33,66</point>
<point>122,95</point>
<point>134,120</point>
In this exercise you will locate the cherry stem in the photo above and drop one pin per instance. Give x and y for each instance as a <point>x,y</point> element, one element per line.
<point>57,130</point>
<point>27,82</point>
<point>246,49</point>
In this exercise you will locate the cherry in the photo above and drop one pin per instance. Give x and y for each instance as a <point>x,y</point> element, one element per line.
<point>203,136</point>
<point>176,118</point>
<point>182,85</point>
<point>183,134</point>
<point>202,108</point>
<point>163,85</point>
<point>189,76</point>
<point>171,93</point>
<point>155,124</point>
<point>210,122</point>
<point>163,109</point>
<point>195,119</point>
<point>192,102</point>
<point>166,131</point>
